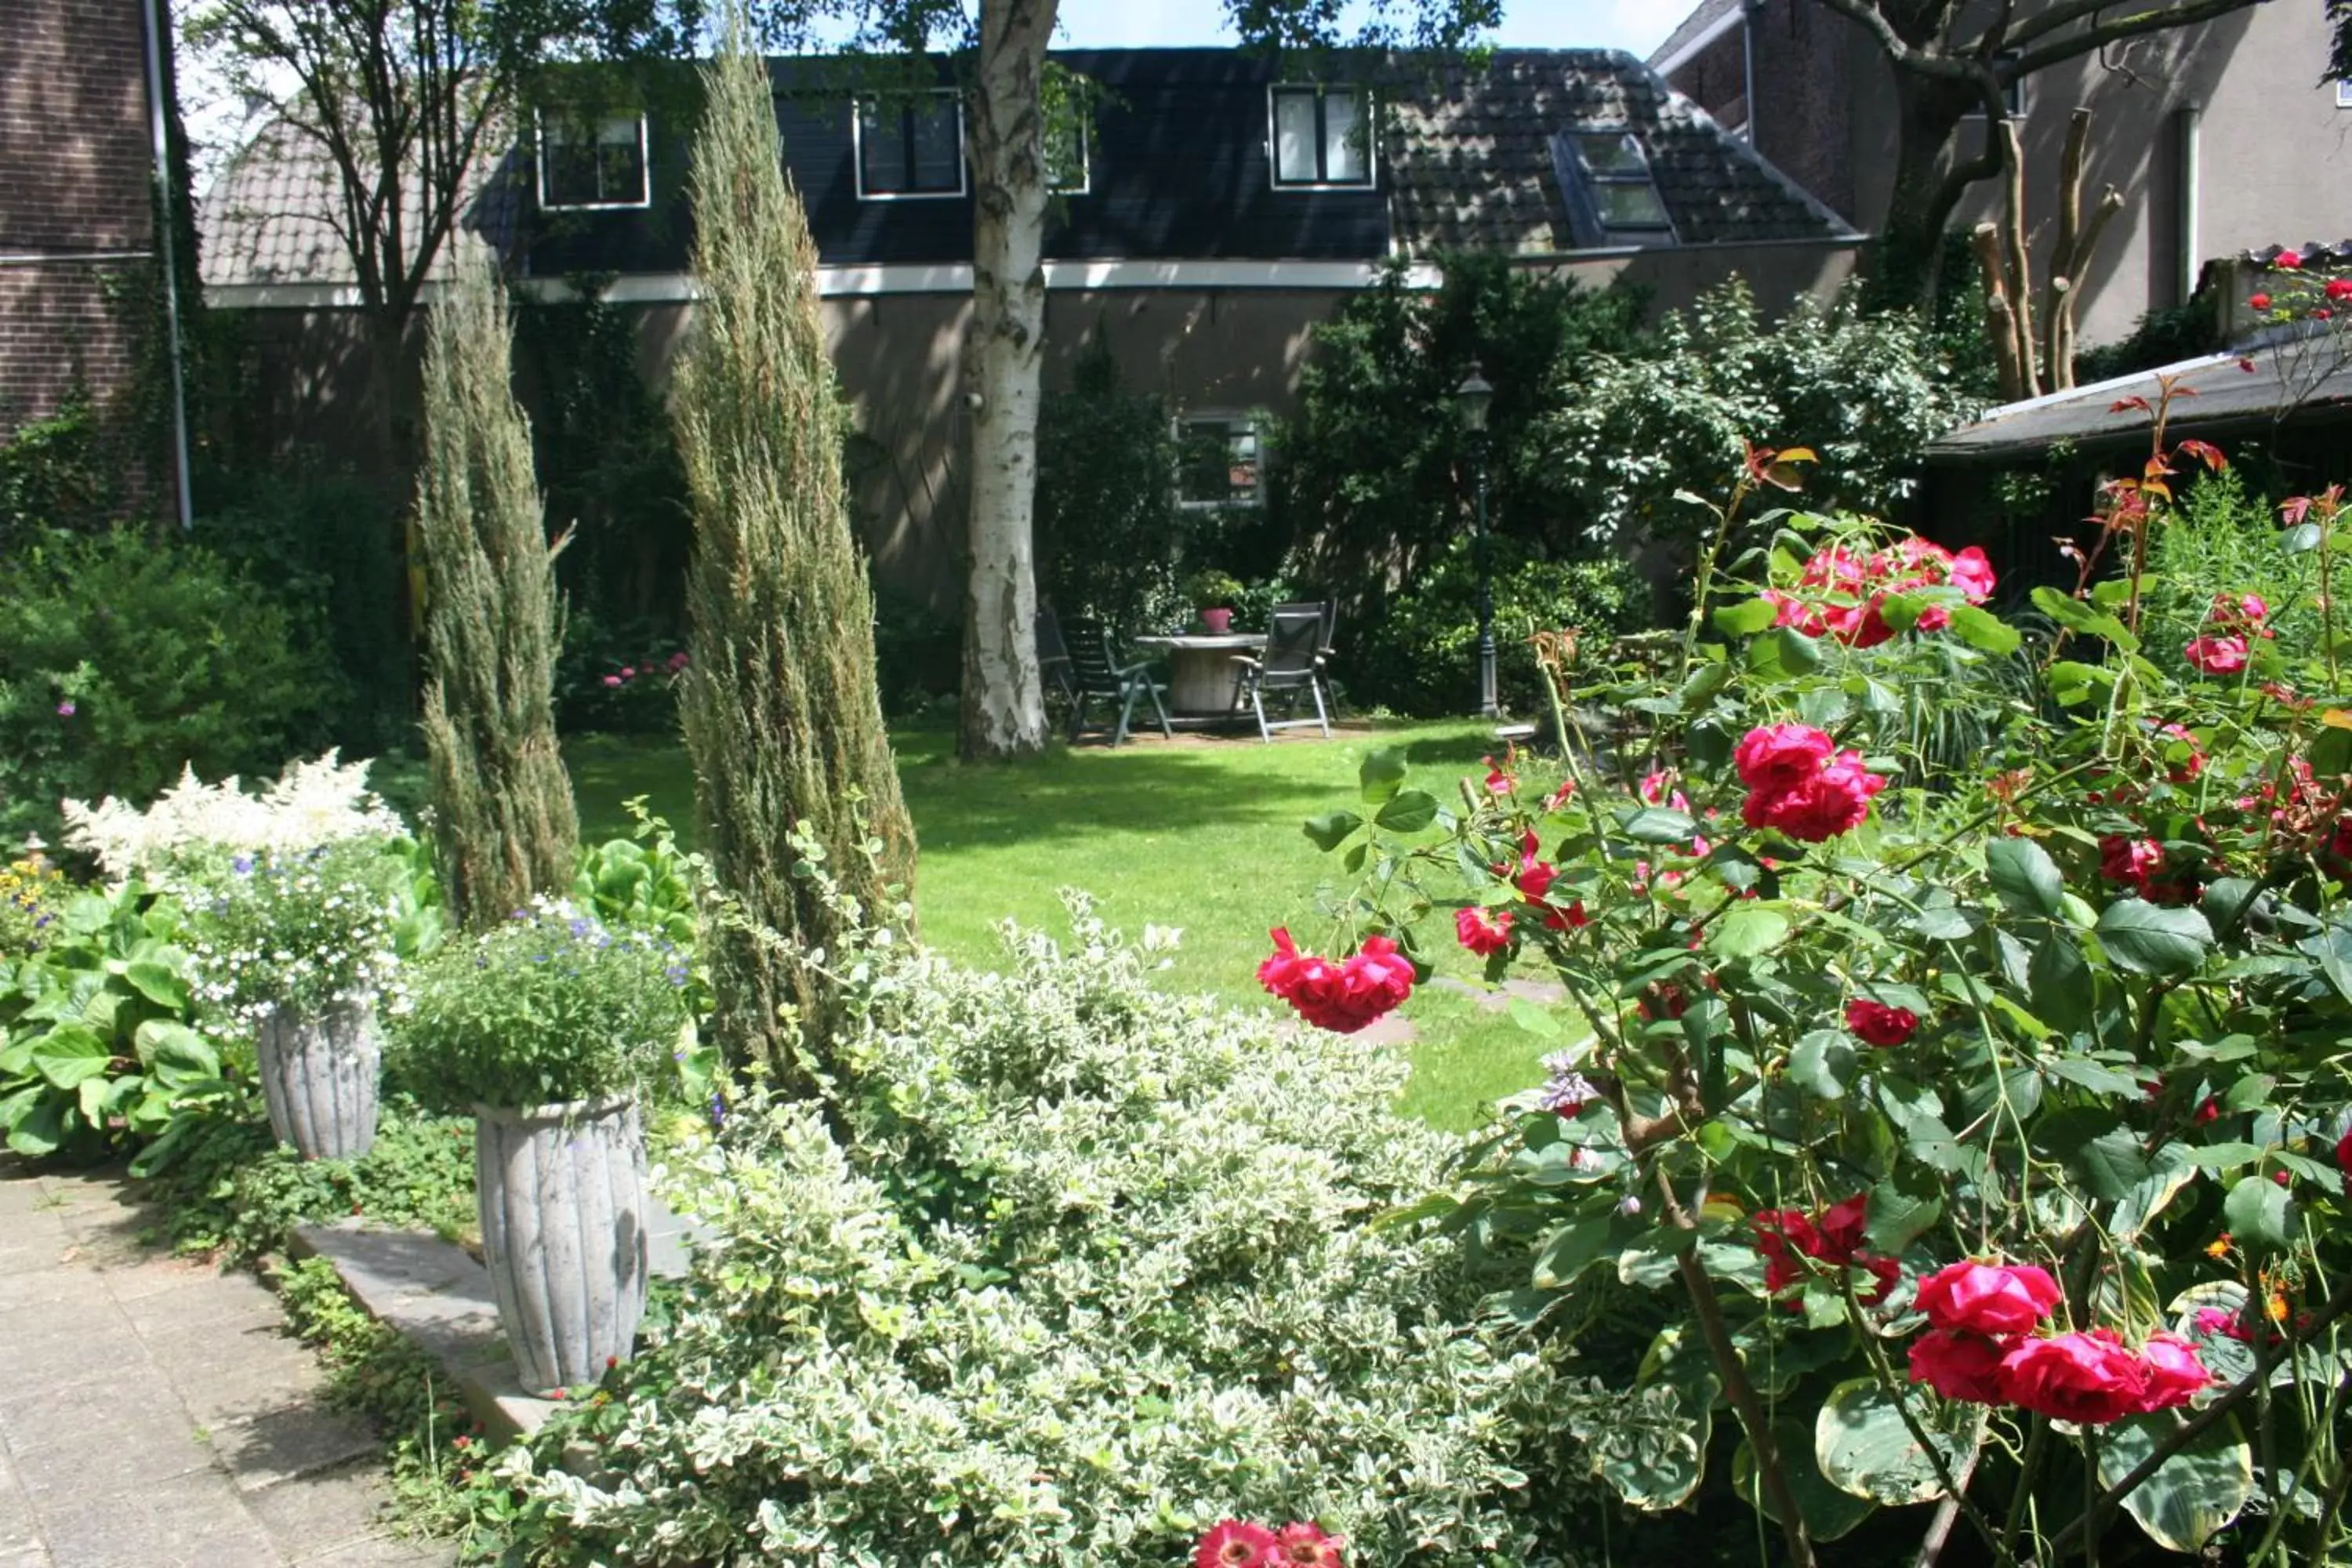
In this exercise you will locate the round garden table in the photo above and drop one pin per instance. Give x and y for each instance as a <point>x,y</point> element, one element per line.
<point>1204,673</point>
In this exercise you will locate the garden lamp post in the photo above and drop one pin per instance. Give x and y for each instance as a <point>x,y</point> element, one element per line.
<point>1471,399</point>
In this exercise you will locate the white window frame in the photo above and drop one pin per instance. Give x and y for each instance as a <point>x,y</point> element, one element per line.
<point>1086,185</point>
<point>858,107</point>
<point>2344,94</point>
<point>645,168</point>
<point>1363,96</point>
<point>1233,420</point>
<point>1596,180</point>
<point>2015,100</point>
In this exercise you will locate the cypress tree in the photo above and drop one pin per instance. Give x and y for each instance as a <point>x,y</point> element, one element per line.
<point>782,715</point>
<point>501,800</point>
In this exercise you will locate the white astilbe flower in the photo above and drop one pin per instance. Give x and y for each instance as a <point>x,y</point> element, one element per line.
<point>315,803</point>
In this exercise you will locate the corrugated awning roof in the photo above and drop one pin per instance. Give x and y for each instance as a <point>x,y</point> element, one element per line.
<point>2301,378</point>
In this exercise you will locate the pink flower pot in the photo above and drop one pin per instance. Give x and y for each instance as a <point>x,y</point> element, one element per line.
<point>1219,622</point>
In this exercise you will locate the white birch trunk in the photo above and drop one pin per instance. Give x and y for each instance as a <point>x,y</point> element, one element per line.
<point>1003,697</point>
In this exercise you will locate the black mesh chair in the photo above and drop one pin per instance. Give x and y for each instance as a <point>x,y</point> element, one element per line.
<point>1291,664</point>
<point>1096,672</point>
<point>1329,610</point>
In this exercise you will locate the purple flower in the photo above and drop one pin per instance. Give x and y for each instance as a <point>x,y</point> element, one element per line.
<point>242,865</point>
<point>66,709</point>
<point>582,925</point>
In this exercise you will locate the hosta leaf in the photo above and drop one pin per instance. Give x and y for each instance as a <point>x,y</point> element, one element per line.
<point>2195,1492</point>
<point>1863,1445</point>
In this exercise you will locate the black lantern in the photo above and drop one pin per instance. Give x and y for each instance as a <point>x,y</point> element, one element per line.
<point>1471,400</point>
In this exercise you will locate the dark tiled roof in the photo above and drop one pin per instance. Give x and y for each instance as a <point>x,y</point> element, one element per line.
<point>1471,165</point>
<point>268,217</point>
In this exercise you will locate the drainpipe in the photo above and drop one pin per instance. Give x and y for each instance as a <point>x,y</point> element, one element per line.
<point>2186,121</point>
<point>1749,11</point>
<point>150,24</point>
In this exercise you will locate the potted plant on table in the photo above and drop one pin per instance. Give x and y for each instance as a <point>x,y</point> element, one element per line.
<point>1214,594</point>
<point>298,945</point>
<point>551,1029</point>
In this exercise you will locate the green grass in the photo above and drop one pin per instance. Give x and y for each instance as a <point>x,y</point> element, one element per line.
<point>1204,838</point>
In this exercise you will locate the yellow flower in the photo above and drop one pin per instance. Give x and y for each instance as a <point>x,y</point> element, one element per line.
<point>2219,1247</point>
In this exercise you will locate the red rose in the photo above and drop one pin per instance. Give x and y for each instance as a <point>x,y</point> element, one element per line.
<point>1780,1235</point>
<point>1834,799</point>
<point>1234,1544</point>
<point>1533,878</point>
<point>2187,771</point>
<point>1933,618</point>
<point>1958,1365</point>
<point>2339,287</point>
<point>2216,655</point>
<point>2323,314</point>
<point>1781,756</point>
<point>2086,1378</point>
<point>1481,932</point>
<point>2260,302</point>
<point>1879,1024</point>
<point>1860,626</point>
<point>1342,997</point>
<point>1972,574</point>
<point>2174,1372</point>
<point>1988,1298</point>
<point>2344,1157</point>
<point>2134,862</point>
<point>1841,1229</point>
<point>2287,260</point>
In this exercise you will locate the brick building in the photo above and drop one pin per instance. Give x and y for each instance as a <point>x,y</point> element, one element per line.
<point>77,241</point>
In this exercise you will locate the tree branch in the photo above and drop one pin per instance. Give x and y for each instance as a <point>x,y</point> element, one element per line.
<point>2180,15</point>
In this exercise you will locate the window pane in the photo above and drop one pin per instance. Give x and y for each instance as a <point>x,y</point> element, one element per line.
<point>1219,463</point>
<point>1241,464</point>
<point>882,148</point>
<point>1630,204</point>
<point>621,172</point>
<point>1065,159</point>
<point>571,156</point>
<point>1294,138</point>
<point>1346,150</point>
<point>1611,154</point>
<point>939,156</point>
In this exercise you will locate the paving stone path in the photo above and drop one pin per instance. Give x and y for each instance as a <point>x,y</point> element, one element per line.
<point>153,1414</point>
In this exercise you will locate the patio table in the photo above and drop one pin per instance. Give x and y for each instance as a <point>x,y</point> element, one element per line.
<point>1203,678</point>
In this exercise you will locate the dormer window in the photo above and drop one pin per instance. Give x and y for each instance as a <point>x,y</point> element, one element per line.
<point>1322,138</point>
<point>1069,171</point>
<point>910,146</point>
<point>587,163</point>
<point>1611,196</point>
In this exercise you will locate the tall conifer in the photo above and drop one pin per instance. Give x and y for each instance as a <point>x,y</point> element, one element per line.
<point>501,799</point>
<point>782,715</point>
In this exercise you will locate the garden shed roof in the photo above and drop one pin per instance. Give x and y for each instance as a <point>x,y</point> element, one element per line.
<point>2299,380</point>
<point>1477,166</point>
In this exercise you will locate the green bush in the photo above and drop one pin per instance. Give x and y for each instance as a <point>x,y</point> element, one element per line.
<point>1090,1269</point>
<point>123,659</point>
<point>1422,656</point>
<point>53,475</point>
<point>1110,533</point>
<point>2221,534</point>
<point>1628,433</point>
<point>329,546</point>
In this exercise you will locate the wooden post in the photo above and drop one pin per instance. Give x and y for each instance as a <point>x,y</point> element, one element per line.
<point>2018,264</point>
<point>2001,320</point>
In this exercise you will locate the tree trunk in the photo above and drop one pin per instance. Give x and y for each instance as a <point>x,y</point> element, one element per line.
<point>1908,251</point>
<point>1003,697</point>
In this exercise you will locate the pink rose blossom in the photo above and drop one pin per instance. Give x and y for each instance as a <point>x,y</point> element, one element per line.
<point>1991,1298</point>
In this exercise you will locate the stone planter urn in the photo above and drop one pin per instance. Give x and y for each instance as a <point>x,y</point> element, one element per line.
<point>562,1195</point>
<point>318,1076</point>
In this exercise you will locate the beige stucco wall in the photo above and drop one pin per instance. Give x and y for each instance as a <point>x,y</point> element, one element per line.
<point>902,365</point>
<point>2273,158</point>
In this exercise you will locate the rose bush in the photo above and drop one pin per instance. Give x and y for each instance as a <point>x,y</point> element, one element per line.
<point>1963,1132</point>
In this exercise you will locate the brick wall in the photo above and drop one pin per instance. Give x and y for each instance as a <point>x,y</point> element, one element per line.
<point>74,162</point>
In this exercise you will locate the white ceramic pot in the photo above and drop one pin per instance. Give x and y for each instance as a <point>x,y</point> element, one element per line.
<point>562,1190</point>
<point>318,1075</point>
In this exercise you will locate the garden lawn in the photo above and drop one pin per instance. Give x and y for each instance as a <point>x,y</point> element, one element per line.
<point>1203,837</point>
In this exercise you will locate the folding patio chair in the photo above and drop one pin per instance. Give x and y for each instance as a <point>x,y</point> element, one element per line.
<point>1095,672</point>
<point>1329,610</point>
<point>1053,660</point>
<point>1292,663</point>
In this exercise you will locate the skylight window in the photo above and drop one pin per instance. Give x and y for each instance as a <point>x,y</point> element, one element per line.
<point>1611,192</point>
